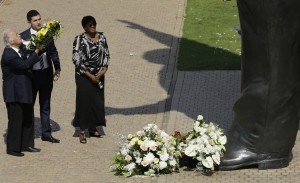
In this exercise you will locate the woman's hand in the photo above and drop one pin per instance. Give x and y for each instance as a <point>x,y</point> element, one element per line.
<point>101,72</point>
<point>93,78</point>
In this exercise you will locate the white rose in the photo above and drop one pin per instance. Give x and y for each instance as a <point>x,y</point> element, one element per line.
<point>172,162</point>
<point>164,156</point>
<point>128,157</point>
<point>138,160</point>
<point>162,165</point>
<point>149,158</point>
<point>124,151</point>
<point>130,167</point>
<point>144,163</point>
<point>196,123</point>
<point>153,148</point>
<point>144,146</point>
<point>197,128</point>
<point>152,144</point>
<point>199,118</point>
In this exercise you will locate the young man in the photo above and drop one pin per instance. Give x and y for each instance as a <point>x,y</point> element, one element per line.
<point>43,74</point>
<point>17,94</point>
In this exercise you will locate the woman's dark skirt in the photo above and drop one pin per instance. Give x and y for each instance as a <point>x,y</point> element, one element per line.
<point>90,111</point>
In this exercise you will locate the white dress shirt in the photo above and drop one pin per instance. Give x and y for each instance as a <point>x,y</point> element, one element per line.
<point>16,50</point>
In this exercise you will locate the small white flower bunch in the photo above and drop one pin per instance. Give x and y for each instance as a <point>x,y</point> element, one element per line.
<point>147,152</point>
<point>205,143</point>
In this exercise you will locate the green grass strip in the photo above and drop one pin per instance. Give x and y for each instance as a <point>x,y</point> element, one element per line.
<point>209,41</point>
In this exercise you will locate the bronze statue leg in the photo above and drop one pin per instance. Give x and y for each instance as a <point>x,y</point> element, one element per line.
<point>266,122</point>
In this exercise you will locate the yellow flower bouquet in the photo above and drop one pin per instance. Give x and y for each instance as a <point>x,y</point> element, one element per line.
<point>49,30</point>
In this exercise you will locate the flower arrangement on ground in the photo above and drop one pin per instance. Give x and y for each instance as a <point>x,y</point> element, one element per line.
<point>148,152</point>
<point>49,30</point>
<point>205,143</point>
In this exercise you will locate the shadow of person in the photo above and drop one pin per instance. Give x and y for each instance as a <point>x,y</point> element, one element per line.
<point>37,128</point>
<point>167,58</point>
<point>77,130</point>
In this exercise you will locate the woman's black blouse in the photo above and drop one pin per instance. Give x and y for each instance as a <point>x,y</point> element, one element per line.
<point>89,56</point>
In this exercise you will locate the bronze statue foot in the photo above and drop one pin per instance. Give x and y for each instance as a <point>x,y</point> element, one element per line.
<point>238,157</point>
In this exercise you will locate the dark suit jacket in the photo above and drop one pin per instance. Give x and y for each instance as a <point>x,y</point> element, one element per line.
<point>17,76</point>
<point>51,51</point>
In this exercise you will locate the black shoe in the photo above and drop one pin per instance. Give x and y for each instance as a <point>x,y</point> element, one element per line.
<point>15,153</point>
<point>237,156</point>
<point>50,139</point>
<point>32,149</point>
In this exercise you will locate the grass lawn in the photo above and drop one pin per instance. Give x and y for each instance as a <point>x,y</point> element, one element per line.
<point>209,41</point>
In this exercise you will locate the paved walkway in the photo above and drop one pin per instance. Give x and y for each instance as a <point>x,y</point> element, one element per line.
<point>143,86</point>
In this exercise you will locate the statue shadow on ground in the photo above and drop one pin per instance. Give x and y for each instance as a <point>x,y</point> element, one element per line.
<point>37,128</point>
<point>163,57</point>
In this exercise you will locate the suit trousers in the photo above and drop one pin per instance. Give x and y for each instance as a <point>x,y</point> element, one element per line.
<point>43,84</point>
<point>20,131</point>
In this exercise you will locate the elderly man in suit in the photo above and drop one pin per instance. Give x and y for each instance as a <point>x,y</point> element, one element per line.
<point>17,94</point>
<point>43,75</point>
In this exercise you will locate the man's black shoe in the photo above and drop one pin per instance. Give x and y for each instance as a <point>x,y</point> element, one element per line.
<point>32,149</point>
<point>50,139</point>
<point>15,153</point>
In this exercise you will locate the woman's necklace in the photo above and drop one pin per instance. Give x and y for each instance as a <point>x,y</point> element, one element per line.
<point>94,39</point>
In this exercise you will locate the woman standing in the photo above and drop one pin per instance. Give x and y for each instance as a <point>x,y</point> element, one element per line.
<point>91,57</point>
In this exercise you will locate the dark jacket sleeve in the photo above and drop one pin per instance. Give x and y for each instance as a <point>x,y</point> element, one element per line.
<point>17,63</point>
<point>16,75</point>
<point>53,54</point>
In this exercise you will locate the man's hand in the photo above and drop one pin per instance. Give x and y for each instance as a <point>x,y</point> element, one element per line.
<point>56,75</point>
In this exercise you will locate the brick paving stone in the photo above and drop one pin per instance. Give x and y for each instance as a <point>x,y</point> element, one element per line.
<point>142,86</point>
